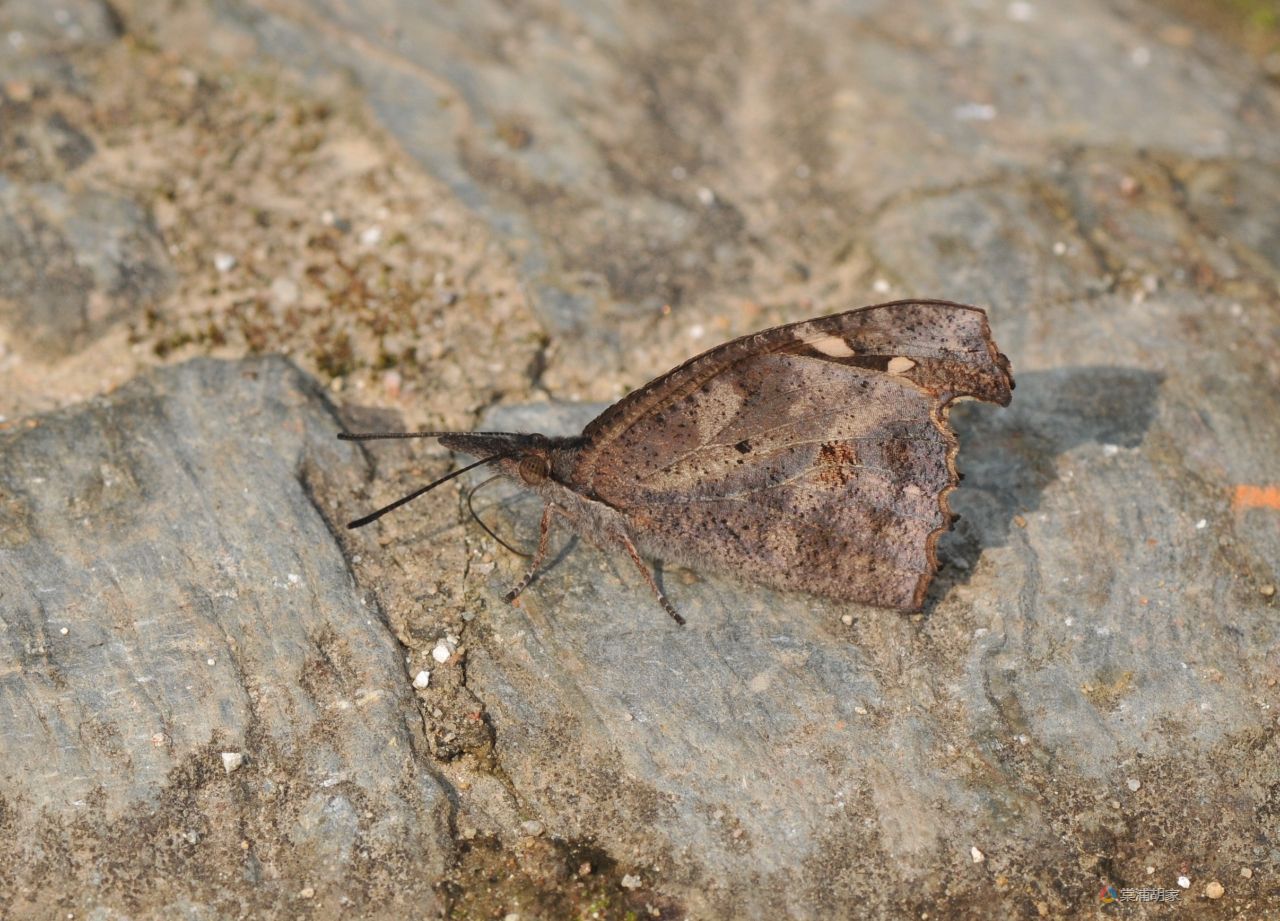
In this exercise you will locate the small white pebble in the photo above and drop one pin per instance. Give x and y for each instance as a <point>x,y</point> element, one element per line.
<point>706,196</point>
<point>224,262</point>
<point>1140,57</point>
<point>1059,248</point>
<point>974,112</point>
<point>511,916</point>
<point>306,892</point>
<point>1151,871</point>
<point>371,236</point>
<point>1135,784</point>
<point>1184,883</point>
<point>284,291</point>
<point>1202,524</point>
<point>442,652</point>
<point>532,828</point>
<point>977,855</point>
<point>1110,450</point>
<point>1215,890</point>
<point>422,679</point>
<point>628,717</point>
<point>64,631</point>
<point>1021,11</point>
<point>846,619</point>
<point>294,578</point>
<point>630,881</point>
<point>1246,872</point>
<point>861,711</point>
<point>231,761</point>
<point>210,661</point>
<point>880,286</point>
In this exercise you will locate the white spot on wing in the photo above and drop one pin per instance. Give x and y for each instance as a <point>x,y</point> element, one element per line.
<point>833,346</point>
<point>900,365</point>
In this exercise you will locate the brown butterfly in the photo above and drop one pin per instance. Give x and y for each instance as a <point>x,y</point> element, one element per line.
<point>813,456</point>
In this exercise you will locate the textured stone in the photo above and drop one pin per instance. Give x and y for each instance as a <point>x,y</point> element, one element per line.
<point>1106,608</point>
<point>172,592</point>
<point>589,134</point>
<point>75,261</point>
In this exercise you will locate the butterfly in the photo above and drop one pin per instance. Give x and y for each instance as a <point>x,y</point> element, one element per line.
<point>814,456</point>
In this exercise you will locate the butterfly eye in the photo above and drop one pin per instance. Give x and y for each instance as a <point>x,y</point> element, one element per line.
<point>533,469</point>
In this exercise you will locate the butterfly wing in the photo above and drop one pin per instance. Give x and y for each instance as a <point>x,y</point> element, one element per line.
<point>814,456</point>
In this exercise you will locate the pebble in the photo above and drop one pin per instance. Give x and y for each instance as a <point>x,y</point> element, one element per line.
<point>631,881</point>
<point>1215,890</point>
<point>231,761</point>
<point>1202,524</point>
<point>532,828</point>
<point>846,619</point>
<point>442,652</point>
<point>284,291</point>
<point>977,855</point>
<point>422,679</point>
<point>974,112</point>
<point>1021,11</point>
<point>880,286</point>
<point>1184,883</point>
<point>371,236</point>
<point>224,262</point>
<point>1246,872</point>
<point>1135,784</point>
<point>511,916</point>
<point>64,631</point>
<point>306,892</point>
<point>1268,590</point>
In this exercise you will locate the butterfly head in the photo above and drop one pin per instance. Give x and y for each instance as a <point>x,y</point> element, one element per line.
<point>532,459</point>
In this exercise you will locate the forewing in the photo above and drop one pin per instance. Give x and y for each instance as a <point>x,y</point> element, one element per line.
<point>813,456</point>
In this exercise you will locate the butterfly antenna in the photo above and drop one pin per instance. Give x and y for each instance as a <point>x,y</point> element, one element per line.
<point>372,436</point>
<point>374,516</point>
<point>471,493</point>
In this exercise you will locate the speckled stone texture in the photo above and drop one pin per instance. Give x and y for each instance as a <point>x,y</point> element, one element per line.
<point>1090,697</point>
<point>171,594</point>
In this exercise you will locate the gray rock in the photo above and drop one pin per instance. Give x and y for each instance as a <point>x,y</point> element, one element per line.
<point>1101,616</point>
<point>170,591</point>
<point>74,262</point>
<point>639,156</point>
<point>40,40</point>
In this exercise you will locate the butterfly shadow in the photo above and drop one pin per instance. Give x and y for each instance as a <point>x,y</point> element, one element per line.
<point>1009,457</point>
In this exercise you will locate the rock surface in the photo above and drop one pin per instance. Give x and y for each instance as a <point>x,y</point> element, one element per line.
<point>1090,698</point>
<point>173,596</point>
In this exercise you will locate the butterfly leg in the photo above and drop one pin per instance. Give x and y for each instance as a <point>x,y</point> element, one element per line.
<point>648,577</point>
<point>544,541</point>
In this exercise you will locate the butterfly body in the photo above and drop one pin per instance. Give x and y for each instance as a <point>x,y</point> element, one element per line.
<point>814,456</point>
